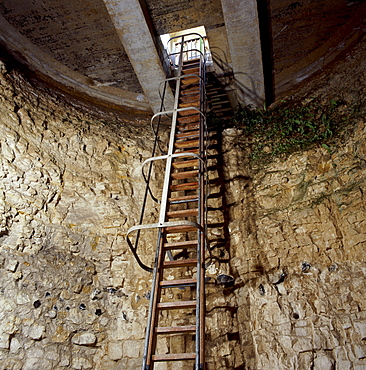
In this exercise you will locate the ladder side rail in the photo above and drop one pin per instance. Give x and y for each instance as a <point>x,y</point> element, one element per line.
<point>150,341</point>
<point>204,155</point>
<point>203,175</point>
<point>200,295</point>
<point>199,266</point>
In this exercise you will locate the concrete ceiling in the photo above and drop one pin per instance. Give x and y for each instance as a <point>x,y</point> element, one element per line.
<point>107,51</point>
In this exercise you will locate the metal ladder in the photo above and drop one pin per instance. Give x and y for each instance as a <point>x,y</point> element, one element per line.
<point>177,301</point>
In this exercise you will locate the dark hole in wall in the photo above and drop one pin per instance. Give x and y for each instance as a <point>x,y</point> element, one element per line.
<point>233,336</point>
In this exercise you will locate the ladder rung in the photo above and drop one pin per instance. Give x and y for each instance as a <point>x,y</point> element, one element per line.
<point>191,97</point>
<point>189,88</point>
<point>184,175</point>
<point>181,245</point>
<point>220,101</point>
<point>189,126</point>
<point>185,186</point>
<point>225,110</point>
<point>179,229</point>
<point>190,80</point>
<point>176,305</point>
<point>175,329</point>
<point>187,144</point>
<point>187,91</point>
<point>183,213</point>
<point>212,90</point>
<point>188,112</point>
<point>190,119</point>
<point>191,61</point>
<point>181,263</point>
<point>224,116</point>
<point>196,150</point>
<point>183,199</point>
<point>194,97</point>
<point>185,135</point>
<point>174,357</point>
<point>177,283</point>
<point>217,107</point>
<point>185,164</point>
<point>189,104</point>
<point>217,97</point>
<point>220,107</point>
<point>190,70</point>
<point>190,65</point>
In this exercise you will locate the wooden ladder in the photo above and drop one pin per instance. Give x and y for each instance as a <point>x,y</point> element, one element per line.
<point>176,323</point>
<point>185,241</point>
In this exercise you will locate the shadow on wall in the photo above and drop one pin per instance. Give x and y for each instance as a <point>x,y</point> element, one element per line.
<point>228,78</point>
<point>265,29</point>
<point>217,210</point>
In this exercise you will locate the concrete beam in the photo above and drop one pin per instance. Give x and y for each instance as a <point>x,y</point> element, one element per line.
<point>133,31</point>
<point>242,26</point>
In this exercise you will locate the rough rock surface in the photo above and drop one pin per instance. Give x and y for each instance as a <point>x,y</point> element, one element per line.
<point>297,241</point>
<point>69,190</point>
<point>292,235</point>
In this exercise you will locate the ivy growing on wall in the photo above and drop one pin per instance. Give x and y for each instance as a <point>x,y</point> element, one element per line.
<point>293,126</point>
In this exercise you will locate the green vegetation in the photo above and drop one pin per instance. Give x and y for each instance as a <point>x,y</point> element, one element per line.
<point>293,126</point>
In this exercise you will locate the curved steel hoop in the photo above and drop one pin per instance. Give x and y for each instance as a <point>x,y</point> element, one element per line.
<point>155,226</point>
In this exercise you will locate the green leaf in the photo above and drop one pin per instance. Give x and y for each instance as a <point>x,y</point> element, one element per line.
<point>325,146</point>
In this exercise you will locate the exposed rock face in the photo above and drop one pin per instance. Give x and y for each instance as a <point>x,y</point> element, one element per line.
<point>70,188</point>
<point>71,295</point>
<point>297,241</point>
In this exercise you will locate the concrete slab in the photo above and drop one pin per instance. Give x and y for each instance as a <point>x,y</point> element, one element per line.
<point>242,26</point>
<point>133,31</point>
<point>74,83</point>
<point>78,34</point>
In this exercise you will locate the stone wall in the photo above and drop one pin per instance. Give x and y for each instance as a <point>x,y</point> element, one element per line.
<point>298,235</point>
<point>70,295</point>
<point>291,234</point>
